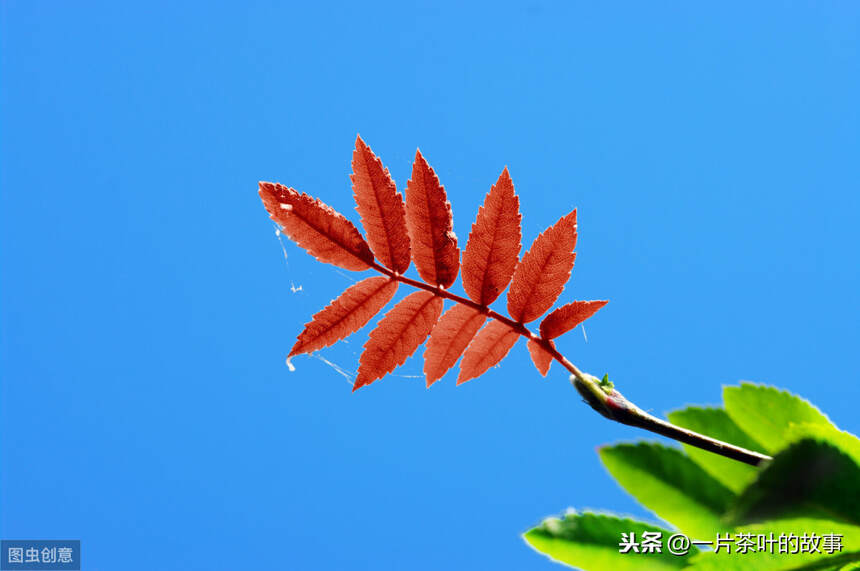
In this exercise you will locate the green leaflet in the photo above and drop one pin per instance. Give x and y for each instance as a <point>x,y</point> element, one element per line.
<point>670,484</point>
<point>809,478</point>
<point>715,422</point>
<point>766,561</point>
<point>767,413</point>
<point>591,541</point>
<point>845,441</point>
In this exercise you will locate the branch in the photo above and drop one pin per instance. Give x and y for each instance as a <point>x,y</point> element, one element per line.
<point>601,396</point>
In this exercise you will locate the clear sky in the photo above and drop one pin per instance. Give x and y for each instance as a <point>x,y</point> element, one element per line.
<point>147,307</point>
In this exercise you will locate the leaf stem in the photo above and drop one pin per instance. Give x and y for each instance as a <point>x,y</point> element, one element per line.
<point>614,406</point>
<point>605,400</point>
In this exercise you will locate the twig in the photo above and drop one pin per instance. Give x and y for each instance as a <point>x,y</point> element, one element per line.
<point>601,396</point>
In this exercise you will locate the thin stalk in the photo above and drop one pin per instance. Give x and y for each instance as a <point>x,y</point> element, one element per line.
<point>601,396</point>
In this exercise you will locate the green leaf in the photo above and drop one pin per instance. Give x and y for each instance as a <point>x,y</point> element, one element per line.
<point>809,478</point>
<point>843,440</point>
<point>591,541</point>
<point>670,484</point>
<point>716,423</point>
<point>767,413</point>
<point>605,382</point>
<point>766,561</point>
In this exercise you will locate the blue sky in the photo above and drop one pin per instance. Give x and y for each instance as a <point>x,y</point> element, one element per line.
<point>146,305</point>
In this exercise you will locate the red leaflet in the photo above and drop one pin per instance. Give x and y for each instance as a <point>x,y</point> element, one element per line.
<point>397,336</point>
<point>381,208</point>
<point>316,227</point>
<point>431,226</point>
<point>345,315</point>
<point>543,271</point>
<point>540,357</point>
<point>567,317</point>
<point>449,339</point>
<point>488,348</point>
<point>494,243</point>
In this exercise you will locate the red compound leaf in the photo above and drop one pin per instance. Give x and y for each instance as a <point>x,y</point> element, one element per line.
<point>449,339</point>
<point>431,226</point>
<point>486,350</point>
<point>540,357</point>
<point>566,317</point>
<point>345,315</point>
<point>397,336</point>
<point>381,208</point>
<point>540,276</point>
<point>494,243</point>
<point>421,229</point>
<point>316,227</point>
